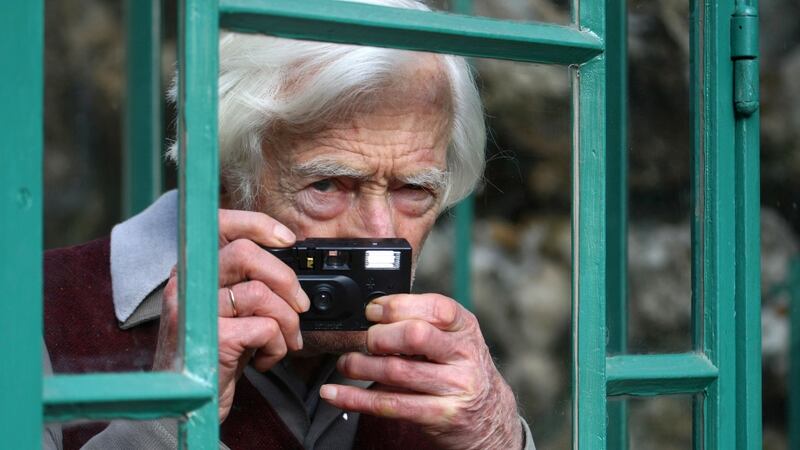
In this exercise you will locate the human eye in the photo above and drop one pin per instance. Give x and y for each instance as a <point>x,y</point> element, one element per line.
<point>325,185</point>
<point>324,198</point>
<point>418,191</point>
<point>414,199</point>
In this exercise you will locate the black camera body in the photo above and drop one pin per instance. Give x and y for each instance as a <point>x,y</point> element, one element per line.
<point>342,275</point>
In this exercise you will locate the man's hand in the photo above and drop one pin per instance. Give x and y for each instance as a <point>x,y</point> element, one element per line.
<point>267,295</point>
<point>434,369</point>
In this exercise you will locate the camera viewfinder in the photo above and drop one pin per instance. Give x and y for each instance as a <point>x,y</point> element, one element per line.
<point>336,260</point>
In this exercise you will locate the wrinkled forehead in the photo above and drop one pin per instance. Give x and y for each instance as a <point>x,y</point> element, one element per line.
<point>422,80</point>
<point>417,99</point>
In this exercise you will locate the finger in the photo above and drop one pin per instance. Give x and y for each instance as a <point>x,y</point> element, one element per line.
<point>244,260</point>
<point>396,371</point>
<point>254,298</point>
<point>387,388</point>
<point>444,313</point>
<point>266,357</point>
<point>167,346</point>
<point>240,335</point>
<point>255,226</point>
<point>417,408</point>
<point>415,337</point>
<point>171,288</point>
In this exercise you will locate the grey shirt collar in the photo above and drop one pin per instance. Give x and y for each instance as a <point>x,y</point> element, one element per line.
<point>144,249</point>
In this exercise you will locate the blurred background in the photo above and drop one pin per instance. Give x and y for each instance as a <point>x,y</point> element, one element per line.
<point>521,243</point>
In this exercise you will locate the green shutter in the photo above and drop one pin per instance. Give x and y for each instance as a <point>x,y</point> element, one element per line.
<point>724,368</point>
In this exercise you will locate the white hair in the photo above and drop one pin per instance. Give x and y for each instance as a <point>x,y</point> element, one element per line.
<point>256,77</point>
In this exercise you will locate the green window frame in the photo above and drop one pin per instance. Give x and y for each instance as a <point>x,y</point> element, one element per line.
<point>722,371</point>
<point>143,138</point>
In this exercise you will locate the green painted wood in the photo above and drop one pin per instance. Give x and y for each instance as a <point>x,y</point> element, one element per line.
<point>744,31</point>
<point>617,205</point>
<point>464,217</point>
<point>714,218</point>
<point>794,354</point>
<point>724,229</point>
<point>744,51</point>
<point>748,223</point>
<point>21,113</point>
<point>354,23</point>
<point>697,207</point>
<point>665,374</point>
<point>143,136</point>
<point>714,229</point>
<point>198,187</point>
<point>589,243</point>
<point>462,267</point>
<point>748,284</point>
<point>462,6</point>
<point>138,396</point>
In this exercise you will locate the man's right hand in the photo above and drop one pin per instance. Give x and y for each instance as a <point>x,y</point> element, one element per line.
<point>268,299</point>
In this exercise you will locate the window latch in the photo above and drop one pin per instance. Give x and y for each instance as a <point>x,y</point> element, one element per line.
<point>744,53</point>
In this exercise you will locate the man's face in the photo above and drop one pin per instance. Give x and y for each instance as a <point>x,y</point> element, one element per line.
<point>378,173</point>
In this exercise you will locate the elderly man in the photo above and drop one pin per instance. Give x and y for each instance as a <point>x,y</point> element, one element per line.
<point>316,140</point>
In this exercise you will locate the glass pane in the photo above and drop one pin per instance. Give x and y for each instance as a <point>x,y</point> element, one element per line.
<point>549,11</point>
<point>84,67</point>
<point>658,423</point>
<point>659,245</point>
<point>84,107</point>
<point>113,434</point>
<point>521,241</point>
<point>780,223</point>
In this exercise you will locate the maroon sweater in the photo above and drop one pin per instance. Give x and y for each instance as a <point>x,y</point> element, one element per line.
<point>82,335</point>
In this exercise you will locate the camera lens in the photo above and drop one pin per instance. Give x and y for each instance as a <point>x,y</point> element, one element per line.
<point>322,299</point>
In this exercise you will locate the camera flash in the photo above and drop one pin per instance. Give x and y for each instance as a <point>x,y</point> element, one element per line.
<point>382,259</point>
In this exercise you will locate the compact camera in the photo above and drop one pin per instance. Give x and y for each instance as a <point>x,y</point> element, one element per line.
<point>341,276</point>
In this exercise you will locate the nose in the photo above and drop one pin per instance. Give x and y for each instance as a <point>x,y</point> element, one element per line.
<point>377,217</point>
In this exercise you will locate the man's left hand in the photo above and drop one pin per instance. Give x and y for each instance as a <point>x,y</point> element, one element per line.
<point>433,368</point>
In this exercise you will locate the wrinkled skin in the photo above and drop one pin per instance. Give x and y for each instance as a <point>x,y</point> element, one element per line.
<point>446,382</point>
<point>425,352</point>
<point>268,299</point>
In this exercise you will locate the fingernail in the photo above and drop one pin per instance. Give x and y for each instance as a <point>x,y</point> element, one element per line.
<point>374,312</point>
<point>284,234</point>
<point>299,341</point>
<point>327,392</point>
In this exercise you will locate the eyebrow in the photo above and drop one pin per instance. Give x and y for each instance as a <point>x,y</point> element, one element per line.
<point>432,178</point>
<point>327,168</point>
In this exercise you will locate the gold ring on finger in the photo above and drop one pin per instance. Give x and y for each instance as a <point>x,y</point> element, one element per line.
<point>232,298</point>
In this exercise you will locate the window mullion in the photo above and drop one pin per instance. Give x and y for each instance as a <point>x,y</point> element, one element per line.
<point>198,182</point>
<point>22,115</point>
<point>617,204</point>
<point>714,218</point>
<point>143,137</point>
<point>589,242</point>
